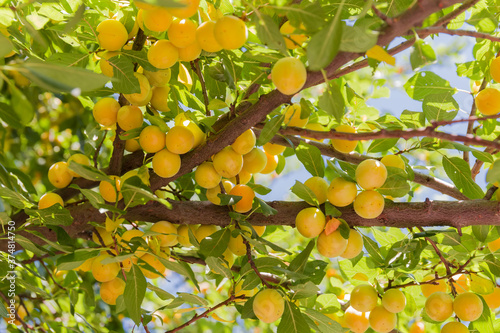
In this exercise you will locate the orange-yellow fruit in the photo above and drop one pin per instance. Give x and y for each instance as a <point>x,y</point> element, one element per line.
<point>417,327</point>
<point>354,245</point>
<point>190,52</point>
<point>271,165</point>
<point>132,145</point>
<point>310,222</point>
<point>154,262</point>
<point>59,175</point>
<point>356,321</point>
<point>454,327</point>
<point>319,186</point>
<point>488,101</point>
<point>86,266</point>
<point>80,159</point>
<point>230,32</point>
<point>189,9</point>
<point>393,161</point>
<point>106,112</point>
<point>206,38</point>
<point>109,192</point>
<point>50,199</point>
<point>152,139</point>
<point>212,193</point>
<point>106,237</point>
<point>428,289</point>
<point>382,320</point>
<point>143,97</point>
<point>127,236</point>
<point>468,306</point>
<point>289,75</point>
<point>105,65</point>
<point>227,162</point>
<point>332,245</point>
<point>344,146</point>
<point>293,116</point>
<point>394,300</point>
<point>273,149</point>
<point>204,231</point>
<point>461,283</point>
<point>183,234</point>
<point>245,142</point>
<point>166,164</point>
<point>163,54</point>
<point>364,298</point>
<point>371,174</point>
<point>493,299</point>
<point>169,231</point>
<point>179,140</point>
<point>254,161</point>
<point>341,192</point>
<point>268,305</point>
<point>206,176</point>
<point>294,40</point>
<point>159,99</point>
<point>104,272</point>
<point>494,245</point>
<point>112,35</point>
<point>159,78</point>
<point>439,306</point>
<point>110,290</point>
<point>182,33</point>
<point>495,69</point>
<point>157,19</point>
<point>369,204</point>
<point>236,244</point>
<point>129,117</point>
<point>247,195</point>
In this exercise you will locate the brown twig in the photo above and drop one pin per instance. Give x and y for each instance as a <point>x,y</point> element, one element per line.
<point>197,317</point>
<point>50,275</point>
<point>195,66</point>
<point>467,33</point>
<point>490,192</point>
<point>98,148</point>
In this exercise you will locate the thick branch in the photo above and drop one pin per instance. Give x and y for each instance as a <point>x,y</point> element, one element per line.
<point>428,131</point>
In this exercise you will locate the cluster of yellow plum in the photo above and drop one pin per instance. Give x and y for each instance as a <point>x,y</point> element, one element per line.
<point>488,100</point>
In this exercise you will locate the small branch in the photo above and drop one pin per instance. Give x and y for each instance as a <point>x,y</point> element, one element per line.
<point>490,192</point>
<point>250,259</point>
<point>145,326</point>
<point>470,125</point>
<point>231,299</point>
<point>116,161</point>
<point>382,16</point>
<point>195,66</point>
<point>51,276</point>
<point>98,149</point>
<point>428,131</point>
<point>468,33</point>
<point>139,40</point>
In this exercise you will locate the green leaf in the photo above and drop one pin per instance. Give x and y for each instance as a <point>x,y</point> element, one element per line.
<point>14,198</point>
<point>181,268</point>
<point>21,105</point>
<point>59,79</point>
<point>123,71</point>
<point>299,262</point>
<point>311,158</point>
<point>332,101</point>
<point>311,15</point>
<point>439,107</point>
<point>269,32</point>
<point>324,45</point>
<point>373,250</point>
<point>493,174</point>
<point>421,55</point>
<point>327,303</point>
<point>304,193</point>
<point>324,323</point>
<point>53,215</point>
<point>215,244</point>
<point>357,39</point>
<point>382,145</point>
<point>292,320</point>
<point>481,231</point>
<point>75,259</point>
<point>162,294</point>
<point>88,172</point>
<point>193,299</point>
<point>413,119</point>
<point>493,264</point>
<point>305,290</point>
<point>331,210</point>
<point>218,266</point>
<point>459,172</point>
<point>135,289</point>
<point>29,245</point>
<point>264,208</point>
<point>426,83</point>
<point>140,58</point>
<point>270,129</point>
<point>5,46</point>
<point>396,184</point>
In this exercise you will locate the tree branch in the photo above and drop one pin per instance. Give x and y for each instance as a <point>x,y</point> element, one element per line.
<point>195,66</point>
<point>197,317</point>
<point>468,33</point>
